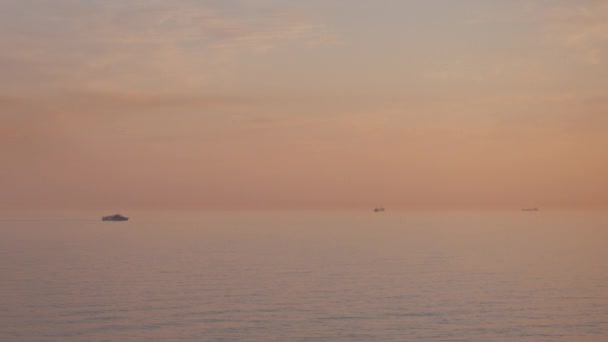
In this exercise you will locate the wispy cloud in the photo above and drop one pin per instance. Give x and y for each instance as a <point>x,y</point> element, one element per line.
<point>582,28</point>
<point>109,45</point>
<point>578,27</point>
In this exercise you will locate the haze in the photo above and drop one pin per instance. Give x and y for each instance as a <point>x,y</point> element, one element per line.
<point>303,104</point>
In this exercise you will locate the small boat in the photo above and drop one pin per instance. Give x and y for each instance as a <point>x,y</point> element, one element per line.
<point>115,217</point>
<point>530,209</point>
<point>377,210</point>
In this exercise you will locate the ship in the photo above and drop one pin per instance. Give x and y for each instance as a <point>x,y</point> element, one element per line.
<point>115,217</point>
<point>530,209</point>
<point>379,209</point>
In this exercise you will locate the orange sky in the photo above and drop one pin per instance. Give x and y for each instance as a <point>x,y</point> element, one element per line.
<point>272,104</point>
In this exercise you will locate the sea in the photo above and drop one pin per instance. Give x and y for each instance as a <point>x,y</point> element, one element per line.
<point>306,276</point>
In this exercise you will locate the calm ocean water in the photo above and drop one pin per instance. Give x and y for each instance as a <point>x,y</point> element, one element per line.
<point>307,276</point>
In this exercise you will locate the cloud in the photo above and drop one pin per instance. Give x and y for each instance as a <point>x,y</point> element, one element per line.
<point>578,27</point>
<point>115,45</point>
<point>582,29</point>
<point>116,104</point>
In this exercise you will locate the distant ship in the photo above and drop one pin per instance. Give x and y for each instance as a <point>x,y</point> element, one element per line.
<point>115,217</point>
<point>530,209</point>
<point>377,210</point>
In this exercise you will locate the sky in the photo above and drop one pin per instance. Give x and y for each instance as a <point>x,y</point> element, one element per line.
<point>197,104</point>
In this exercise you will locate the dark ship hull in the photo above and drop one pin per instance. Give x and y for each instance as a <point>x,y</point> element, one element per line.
<point>116,217</point>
